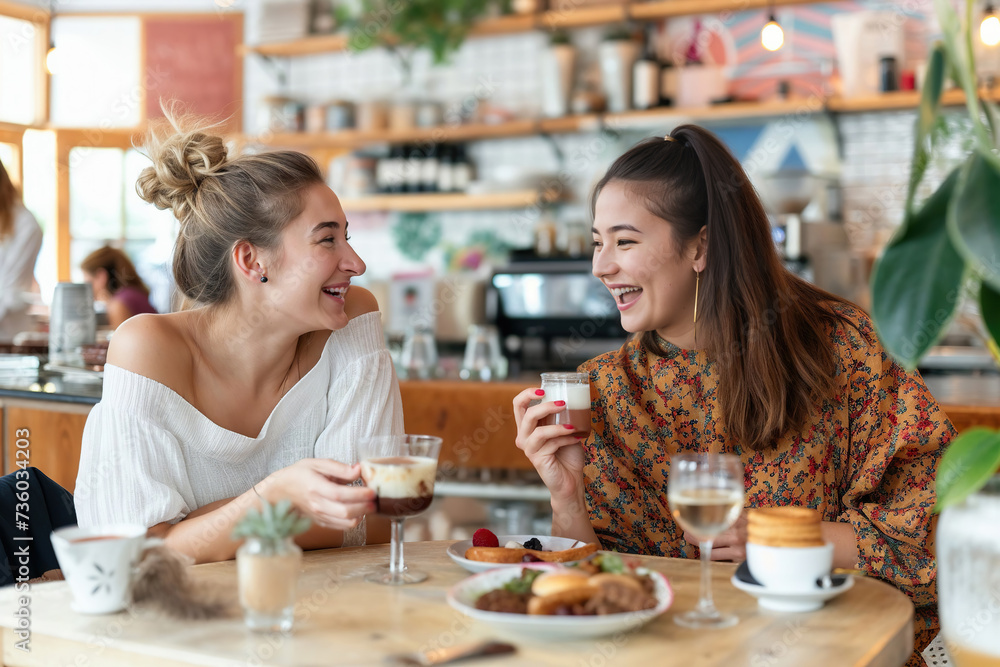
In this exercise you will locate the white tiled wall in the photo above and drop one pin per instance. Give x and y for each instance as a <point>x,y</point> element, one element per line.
<point>875,169</point>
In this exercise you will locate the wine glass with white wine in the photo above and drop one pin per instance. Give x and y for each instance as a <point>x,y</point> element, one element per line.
<point>705,492</point>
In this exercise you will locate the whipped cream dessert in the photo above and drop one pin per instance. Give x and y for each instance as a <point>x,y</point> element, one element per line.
<point>404,485</point>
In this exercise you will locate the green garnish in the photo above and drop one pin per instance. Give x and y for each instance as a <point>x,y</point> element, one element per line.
<point>523,583</point>
<point>612,563</point>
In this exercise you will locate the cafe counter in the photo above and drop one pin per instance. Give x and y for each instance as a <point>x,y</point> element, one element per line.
<point>475,420</point>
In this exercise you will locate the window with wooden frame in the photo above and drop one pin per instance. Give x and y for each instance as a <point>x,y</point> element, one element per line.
<point>191,58</point>
<point>24,38</point>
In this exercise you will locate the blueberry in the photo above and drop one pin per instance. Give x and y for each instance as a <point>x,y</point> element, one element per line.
<point>534,543</point>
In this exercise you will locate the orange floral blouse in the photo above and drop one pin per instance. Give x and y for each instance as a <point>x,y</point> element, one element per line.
<point>868,456</point>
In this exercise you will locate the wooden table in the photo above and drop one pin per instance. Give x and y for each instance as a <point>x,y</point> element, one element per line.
<point>343,620</point>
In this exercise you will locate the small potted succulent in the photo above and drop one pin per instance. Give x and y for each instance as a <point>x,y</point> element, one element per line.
<point>268,563</point>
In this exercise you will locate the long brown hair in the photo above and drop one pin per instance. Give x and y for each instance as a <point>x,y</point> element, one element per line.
<point>765,328</point>
<point>8,197</point>
<point>121,271</point>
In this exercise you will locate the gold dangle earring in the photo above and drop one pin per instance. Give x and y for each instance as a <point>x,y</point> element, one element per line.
<point>697,280</point>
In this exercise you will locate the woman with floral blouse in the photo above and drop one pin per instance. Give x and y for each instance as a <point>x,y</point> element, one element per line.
<point>733,353</point>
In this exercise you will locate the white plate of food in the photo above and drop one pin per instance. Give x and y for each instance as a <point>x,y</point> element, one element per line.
<point>487,559</point>
<point>557,595</point>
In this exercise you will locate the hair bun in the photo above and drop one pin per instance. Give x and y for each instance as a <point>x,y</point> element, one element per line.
<point>181,162</point>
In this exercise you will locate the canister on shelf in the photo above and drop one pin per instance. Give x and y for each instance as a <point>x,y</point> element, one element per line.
<point>429,114</point>
<point>888,76</point>
<point>315,118</point>
<point>371,116</point>
<point>339,115</point>
<point>280,114</point>
<point>403,116</point>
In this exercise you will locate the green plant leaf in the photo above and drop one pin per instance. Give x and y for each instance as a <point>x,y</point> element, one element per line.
<point>974,218</point>
<point>968,462</point>
<point>916,282</point>
<point>930,107</point>
<point>989,306</point>
<point>272,522</point>
<point>440,26</point>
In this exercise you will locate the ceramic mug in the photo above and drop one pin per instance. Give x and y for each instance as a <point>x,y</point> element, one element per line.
<point>98,563</point>
<point>789,569</point>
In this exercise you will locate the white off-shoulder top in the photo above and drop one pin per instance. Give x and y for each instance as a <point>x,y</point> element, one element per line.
<point>149,456</point>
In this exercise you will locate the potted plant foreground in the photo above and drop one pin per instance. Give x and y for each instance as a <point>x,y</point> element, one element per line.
<point>268,563</point>
<point>947,246</point>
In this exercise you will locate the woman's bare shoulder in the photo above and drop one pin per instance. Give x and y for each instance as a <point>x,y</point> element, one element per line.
<point>154,346</point>
<point>359,301</point>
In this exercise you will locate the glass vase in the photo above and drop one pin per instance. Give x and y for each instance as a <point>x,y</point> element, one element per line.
<point>968,554</point>
<point>268,580</point>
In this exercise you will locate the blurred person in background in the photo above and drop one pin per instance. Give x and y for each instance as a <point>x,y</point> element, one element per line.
<point>117,284</point>
<point>20,240</point>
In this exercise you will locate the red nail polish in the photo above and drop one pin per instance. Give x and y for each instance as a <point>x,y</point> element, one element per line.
<point>560,403</point>
<point>539,392</point>
<point>569,426</point>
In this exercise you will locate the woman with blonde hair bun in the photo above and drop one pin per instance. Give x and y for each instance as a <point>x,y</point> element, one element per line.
<point>20,241</point>
<point>117,284</point>
<point>263,388</point>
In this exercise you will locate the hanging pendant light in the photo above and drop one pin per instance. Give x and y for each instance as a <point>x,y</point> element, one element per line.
<point>989,29</point>
<point>52,55</point>
<point>772,37</point>
<point>52,59</point>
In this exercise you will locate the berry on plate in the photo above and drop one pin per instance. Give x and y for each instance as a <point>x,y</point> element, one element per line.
<point>484,538</point>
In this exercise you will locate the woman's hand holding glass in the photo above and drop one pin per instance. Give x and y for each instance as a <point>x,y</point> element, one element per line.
<point>555,451</point>
<point>322,489</point>
<point>729,545</point>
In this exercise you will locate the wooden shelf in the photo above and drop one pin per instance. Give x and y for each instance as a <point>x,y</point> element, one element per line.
<point>731,111</point>
<point>349,139</point>
<point>905,99</point>
<point>418,203</point>
<point>650,11</point>
<point>550,20</point>
<point>315,44</point>
<point>580,123</point>
<point>660,117</point>
<point>580,17</point>
<point>307,46</point>
<point>504,25</point>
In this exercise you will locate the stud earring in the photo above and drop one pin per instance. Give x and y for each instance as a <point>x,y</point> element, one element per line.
<point>263,279</point>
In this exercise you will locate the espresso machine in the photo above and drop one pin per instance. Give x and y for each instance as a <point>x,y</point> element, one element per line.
<point>785,195</point>
<point>552,314</point>
<point>817,249</point>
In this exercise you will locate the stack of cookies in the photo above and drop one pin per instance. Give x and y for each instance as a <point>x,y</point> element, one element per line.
<point>784,527</point>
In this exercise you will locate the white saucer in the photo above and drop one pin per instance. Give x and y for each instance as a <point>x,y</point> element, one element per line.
<point>789,601</point>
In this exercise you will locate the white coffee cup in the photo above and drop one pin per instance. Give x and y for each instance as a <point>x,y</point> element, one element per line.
<point>99,562</point>
<point>789,569</point>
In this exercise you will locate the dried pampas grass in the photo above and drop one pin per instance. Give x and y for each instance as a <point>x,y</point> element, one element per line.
<point>162,581</point>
